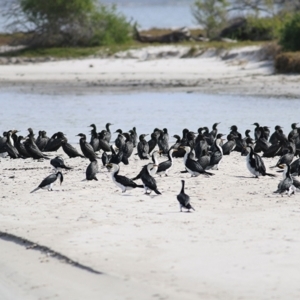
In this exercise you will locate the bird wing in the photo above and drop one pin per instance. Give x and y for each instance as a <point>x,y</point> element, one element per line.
<point>48,180</point>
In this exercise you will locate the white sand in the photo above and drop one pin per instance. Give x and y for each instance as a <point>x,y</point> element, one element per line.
<point>242,242</point>
<point>244,70</point>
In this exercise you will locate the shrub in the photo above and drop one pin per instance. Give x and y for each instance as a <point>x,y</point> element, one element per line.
<point>287,62</point>
<point>290,34</point>
<point>73,23</point>
<point>253,29</point>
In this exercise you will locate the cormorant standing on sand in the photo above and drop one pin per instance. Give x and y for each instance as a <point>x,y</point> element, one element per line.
<point>153,141</point>
<point>165,166</point>
<point>94,138</point>
<point>69,149</point>
<point>286,185</point>
<point>229,146</point>
<point>184,199</point>
<point>148,181</point>
<point>255,164</point>
<point>86,148</point>
<point>107,136</point>
<point>286,158</point>
<point>127,149</point>
<point>33,149</point>
<point>133,134</point>
<point>143,147</point>
<point>193,166</point>
<point>92,170</point>
<point>217,155</point>
<point>58,163</point>
<point>48,182</point>
<point>122,182</point>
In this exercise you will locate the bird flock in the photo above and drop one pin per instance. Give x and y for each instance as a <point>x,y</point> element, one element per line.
<point>201,151</point>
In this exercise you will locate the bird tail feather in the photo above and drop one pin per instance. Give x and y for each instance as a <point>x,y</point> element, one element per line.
<point>34,190</point>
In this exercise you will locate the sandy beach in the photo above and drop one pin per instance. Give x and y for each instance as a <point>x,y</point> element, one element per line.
<point>247,71</point>
<point>88,240</point>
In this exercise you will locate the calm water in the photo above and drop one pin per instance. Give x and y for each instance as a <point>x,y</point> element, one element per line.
<point>147,13</point>
<point>175,111</point>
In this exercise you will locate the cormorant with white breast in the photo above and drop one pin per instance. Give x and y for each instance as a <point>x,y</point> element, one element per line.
<point>165,166</point>
<point>193,166</point>
<point>122,182</point>
<point>255,164</point>
<point>184,199</point>
<point>217,155</point>
<point>48,182</point>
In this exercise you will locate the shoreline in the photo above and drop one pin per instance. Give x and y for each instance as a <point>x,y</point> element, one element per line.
<point>243,71</point>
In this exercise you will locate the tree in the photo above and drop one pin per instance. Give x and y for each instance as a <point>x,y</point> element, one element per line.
<point>290,33</point>
<point>211,15</point>
<point>69,23</point>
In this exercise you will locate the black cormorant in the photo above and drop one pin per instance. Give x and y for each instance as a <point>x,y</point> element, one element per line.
<point>184,199</point>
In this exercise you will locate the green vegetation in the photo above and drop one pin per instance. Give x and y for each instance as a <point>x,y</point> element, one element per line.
<point>60,23</point>
<point>256,29</point>
<point>290,34</point>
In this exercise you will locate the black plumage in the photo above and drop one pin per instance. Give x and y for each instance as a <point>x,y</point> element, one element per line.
<point>70,150</point>
<point>184,199</point>
<point>148,180</point>
<point>255,164</point>
<point>59,163</point>
<point>127,149</point>
<point>217,154</point>
<point>33,149</point>
<point>143,147</point>
<point>229,146</point>
<point>107,136</point>
<point>121,181</point>
<point>48,182</point>
<point>286,158</point>
<point>86,148</point>
<point>193,166</point>
<point>92,170</point>
<point>286,184</point>
<point>165,166</point>
<point>94,142</point>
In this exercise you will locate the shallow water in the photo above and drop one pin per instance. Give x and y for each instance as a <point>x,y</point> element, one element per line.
<point>73,114</point>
